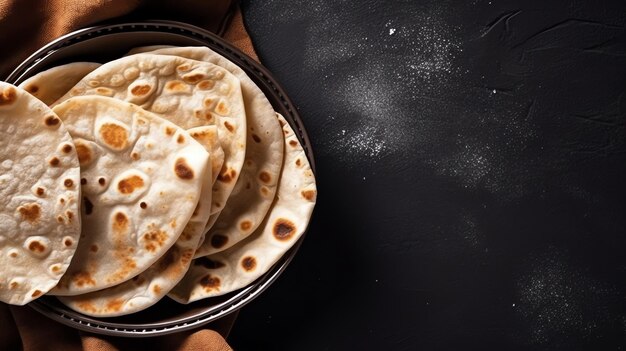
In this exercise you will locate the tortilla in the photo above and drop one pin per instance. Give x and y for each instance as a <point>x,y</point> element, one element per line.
<point>254,192</point>
<point>39,197</point>
<point>241,264</point>
<point>186,92</point>
<point>49,85</point>
<point>141,178</point>
<point>147,288</point>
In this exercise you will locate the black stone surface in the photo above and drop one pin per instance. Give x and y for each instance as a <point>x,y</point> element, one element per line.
<point>471,161</point>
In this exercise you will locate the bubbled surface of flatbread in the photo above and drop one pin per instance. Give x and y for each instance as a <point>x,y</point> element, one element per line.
<point>255,189</point>
<point>288,218</point>
<point>141,178</point>
<point>147,288</point>
<point>39,197</point>
<point>49,85</point>
<point>186,92</point>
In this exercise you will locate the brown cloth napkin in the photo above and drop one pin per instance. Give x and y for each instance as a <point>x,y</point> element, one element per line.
<point>26,25</point>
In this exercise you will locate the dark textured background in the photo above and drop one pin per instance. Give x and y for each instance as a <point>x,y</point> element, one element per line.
<point>471,172</point>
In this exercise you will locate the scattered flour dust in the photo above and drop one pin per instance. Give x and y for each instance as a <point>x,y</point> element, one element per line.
<point>558,299</point>
<point>386,78</point>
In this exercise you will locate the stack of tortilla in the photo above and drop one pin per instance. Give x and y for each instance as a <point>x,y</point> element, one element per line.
<point>164,172</point>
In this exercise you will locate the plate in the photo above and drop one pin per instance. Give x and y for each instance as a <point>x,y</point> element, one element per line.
<point>108,42</point>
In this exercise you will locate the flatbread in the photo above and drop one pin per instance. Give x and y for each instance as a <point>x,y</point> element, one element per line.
<point>49,85</point>
<point>39,197</point>
<point>147,288</point>
<point>256,187</point>
<point>186,92</point>
<point>241,264</point>
<point>141,178</point>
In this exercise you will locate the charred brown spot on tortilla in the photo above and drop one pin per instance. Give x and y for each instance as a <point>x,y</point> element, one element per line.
<point>175,86</point>
<point>182,170</point>
<point>61,201</point>
<point>226,174</point>
<point>156,289</point>
<point>8,96</point>
<point>87,307</point>
<point>284,229</point>
<point>14,285</point>
<point>210,282</point>
<point>140,90</point>
<point>187,256</point>
<point>54,162</point>
<point>83,181</point>
<point>248,263</point>
<point>115,305</point>
<point>169,131</point>
<point>13,254</point>
<point>245,225</point>
<point>114,135</point>
<point>102,181</point>
<point>68,242</point>
<point>120,223</point>
<point>208,263</point>
<point>208,102</point>
<point>52,121</point>
<point>293,143</point>
<point>229,126</point>
<point>206,84</point>
<point>93,248</point>
<point>173,223</point>
<point>154,239</point>
<point>298,162</point>
<point>308,194</point>
<point>30,212</point>
<point>84,153</point>
<point>82,278</point>
<point>36,293</point>
<point>104,91</point>
<point>68,183</point>
<point>184,67</point>
<point>88,206</point>
<point>70,215</point>
<point>143,205</point>
<point>40,191</point>
<point>128,185</point>
<point>126,266</point>
<point>32,88</point>
<point>67,148</point>
<point>265,177</point>
<point>180,139</point>
<point>221,108</point>
<point>60,219</point>
<point>218,240</point>
<point>206,115</point>
<point>193,78</point>
<point>36,246</point>
<point>56,268</point>
<point>134,156</point>
<point>265,191</point>
<point>256,138</point>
